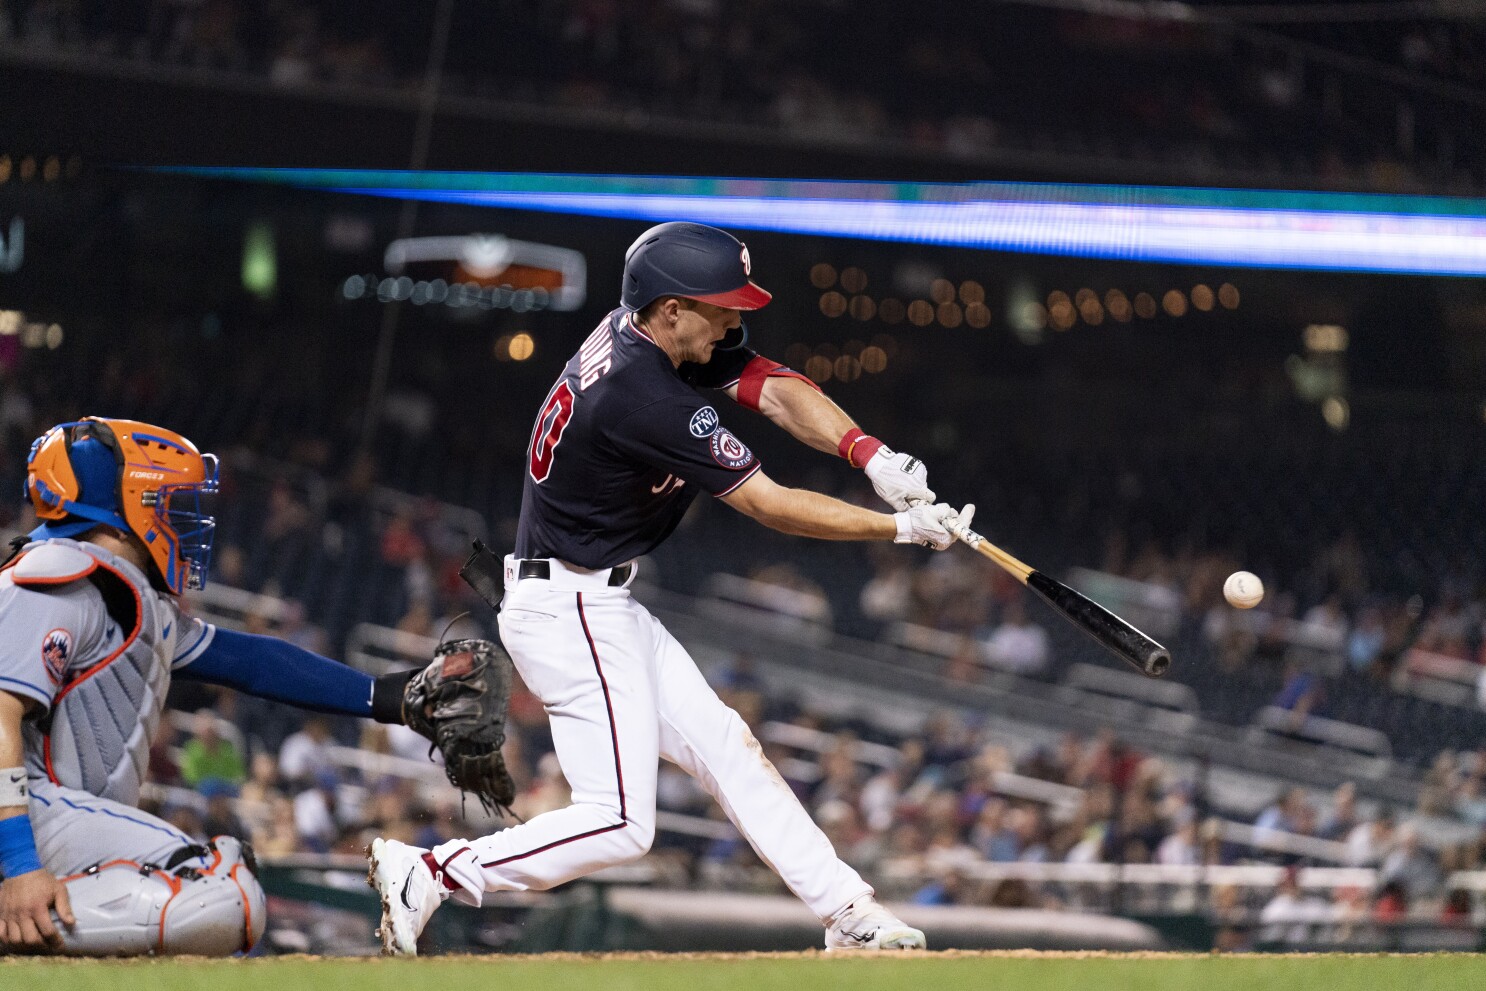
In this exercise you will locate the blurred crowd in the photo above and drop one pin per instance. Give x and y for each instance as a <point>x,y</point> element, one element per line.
<point>938,809</point>
<point>967,81</point>
<point>1328,605</point>
<point>1358,589</point>
<point>924,822</point>
<point>1443,49</point>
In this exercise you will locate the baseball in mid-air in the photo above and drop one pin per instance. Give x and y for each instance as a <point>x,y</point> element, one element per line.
<point>1243,589</point>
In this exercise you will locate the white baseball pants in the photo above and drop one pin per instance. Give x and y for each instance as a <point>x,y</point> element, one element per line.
<point>620,691</point>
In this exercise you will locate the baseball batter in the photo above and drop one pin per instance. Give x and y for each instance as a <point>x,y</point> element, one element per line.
<point>622,445</point>
<point>90,635</point>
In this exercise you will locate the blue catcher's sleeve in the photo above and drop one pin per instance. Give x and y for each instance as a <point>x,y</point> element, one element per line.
<point>275,669</point>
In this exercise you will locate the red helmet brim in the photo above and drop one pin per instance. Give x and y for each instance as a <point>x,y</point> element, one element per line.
<point>748,296</point>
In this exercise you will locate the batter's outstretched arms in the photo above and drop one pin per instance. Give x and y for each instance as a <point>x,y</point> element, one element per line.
<point>810,514</point>
<point>796,405</point>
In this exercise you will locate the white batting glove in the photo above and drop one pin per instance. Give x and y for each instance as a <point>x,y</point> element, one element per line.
<point>930,525</point>
<point>900,479</point>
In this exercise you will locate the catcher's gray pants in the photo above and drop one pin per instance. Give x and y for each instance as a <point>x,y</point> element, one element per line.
<point>140,886</point>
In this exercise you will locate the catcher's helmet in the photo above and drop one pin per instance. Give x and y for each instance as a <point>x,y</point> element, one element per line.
<point>690,260</point>
<point>132,476</point>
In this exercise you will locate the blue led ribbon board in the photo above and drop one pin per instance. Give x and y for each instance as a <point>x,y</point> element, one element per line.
<point>1418,235</point>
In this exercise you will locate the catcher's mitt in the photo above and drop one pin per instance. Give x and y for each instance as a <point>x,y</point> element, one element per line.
<point>459,702</point>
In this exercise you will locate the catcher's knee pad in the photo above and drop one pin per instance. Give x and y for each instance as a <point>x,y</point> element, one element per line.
<point>129,909</point>
<point>240,866</point>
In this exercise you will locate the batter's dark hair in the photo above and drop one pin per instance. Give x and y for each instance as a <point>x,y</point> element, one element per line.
<point>649,309</point>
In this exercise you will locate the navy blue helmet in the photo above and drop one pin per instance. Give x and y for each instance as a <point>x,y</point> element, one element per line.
<point>690,260</point>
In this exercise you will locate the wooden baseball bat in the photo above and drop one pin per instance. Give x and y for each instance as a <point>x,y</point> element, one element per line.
<point>1109,630</point>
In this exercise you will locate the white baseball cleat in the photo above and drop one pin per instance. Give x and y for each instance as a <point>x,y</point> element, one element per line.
<point>410,893</point>
<point>866,925</point>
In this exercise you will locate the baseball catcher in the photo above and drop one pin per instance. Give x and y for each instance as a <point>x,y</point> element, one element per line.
<point>91,634</point>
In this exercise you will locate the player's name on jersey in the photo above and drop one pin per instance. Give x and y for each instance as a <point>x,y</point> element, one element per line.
<point>596,356</point>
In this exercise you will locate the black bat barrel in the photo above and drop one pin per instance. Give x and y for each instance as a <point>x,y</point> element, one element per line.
<point>1104,626</point>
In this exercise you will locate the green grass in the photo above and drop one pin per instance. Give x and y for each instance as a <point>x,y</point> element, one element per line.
<point>934,972</point>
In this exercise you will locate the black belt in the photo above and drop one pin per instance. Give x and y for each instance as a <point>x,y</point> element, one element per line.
<point>535,568</point>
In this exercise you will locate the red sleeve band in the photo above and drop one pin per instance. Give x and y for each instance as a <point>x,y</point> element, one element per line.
<point>857,448</point>
<point>756,373</point>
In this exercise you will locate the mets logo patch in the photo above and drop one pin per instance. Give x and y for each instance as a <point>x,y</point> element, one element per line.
<point>703,422</point>
<point>729,451</point>
<point>56,650</point>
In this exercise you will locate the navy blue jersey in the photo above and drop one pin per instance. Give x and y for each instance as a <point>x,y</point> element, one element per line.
<point>622,445</point>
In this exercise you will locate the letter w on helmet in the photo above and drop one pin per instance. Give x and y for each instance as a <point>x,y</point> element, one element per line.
<point>132,476</point>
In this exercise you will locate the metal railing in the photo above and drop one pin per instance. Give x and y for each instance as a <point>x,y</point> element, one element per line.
<point>1120,684</point>
<point>1277,841</point>
<point>378,650</point>
<point>1272,721</point>
<point>782,610</point>
<point>1440,678</point>
<point>226,606</point>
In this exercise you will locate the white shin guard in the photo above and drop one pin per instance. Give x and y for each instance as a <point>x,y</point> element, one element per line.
<point>127,909</point>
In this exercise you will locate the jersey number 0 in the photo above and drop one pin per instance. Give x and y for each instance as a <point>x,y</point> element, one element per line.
<point>551,422</point>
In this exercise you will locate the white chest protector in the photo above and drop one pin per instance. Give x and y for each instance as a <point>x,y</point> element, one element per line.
<point>109,697</point>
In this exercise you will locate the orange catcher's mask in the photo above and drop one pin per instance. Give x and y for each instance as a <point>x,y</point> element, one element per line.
<point>134,477</point>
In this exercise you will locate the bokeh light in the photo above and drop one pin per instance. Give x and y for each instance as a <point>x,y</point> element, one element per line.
<point>1061,314</point>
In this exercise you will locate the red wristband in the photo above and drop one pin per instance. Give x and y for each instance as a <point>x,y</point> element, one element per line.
<point>857,448</point>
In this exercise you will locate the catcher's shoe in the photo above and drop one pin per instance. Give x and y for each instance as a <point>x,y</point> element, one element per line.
<point>410,893</point>
<point>866,925</point>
